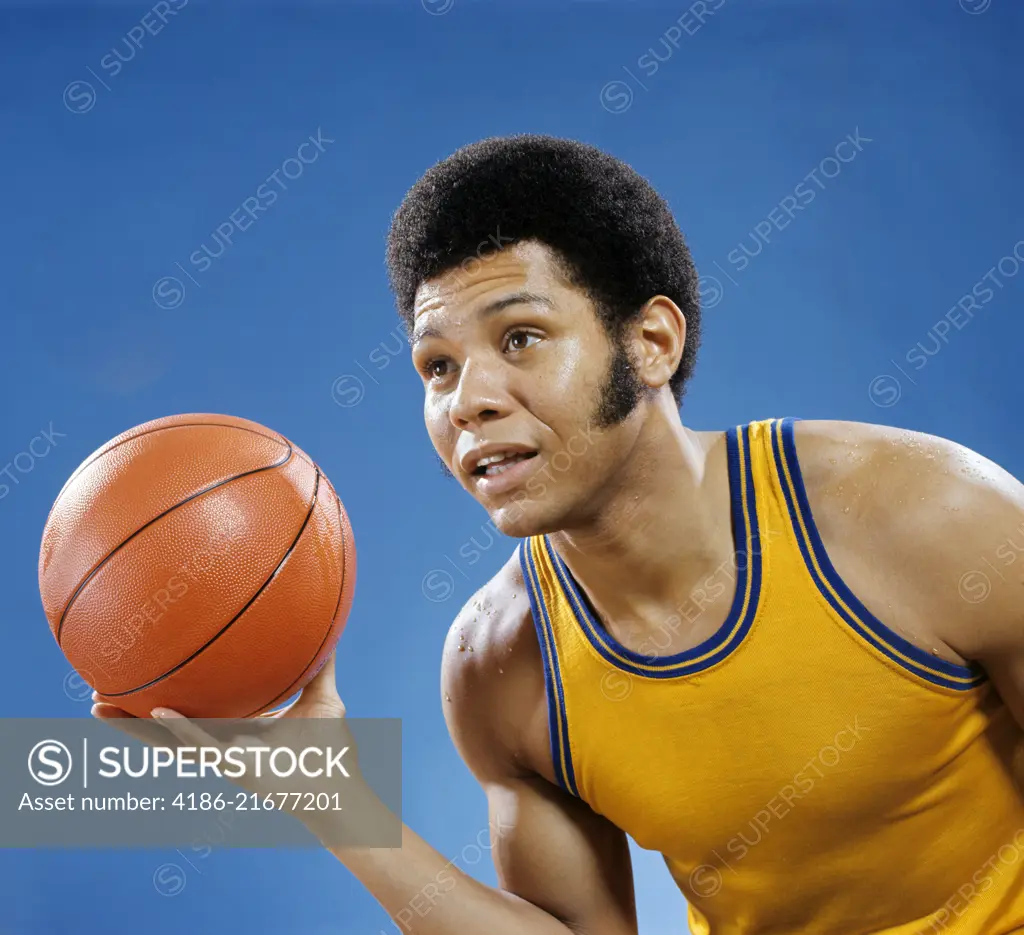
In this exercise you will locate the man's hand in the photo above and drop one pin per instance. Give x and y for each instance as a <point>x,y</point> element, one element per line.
<point>318,701</point>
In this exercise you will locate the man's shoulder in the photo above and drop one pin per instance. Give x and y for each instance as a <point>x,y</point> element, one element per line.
<point>917,507</point>
<point>494,620</point>
<point>882,467</point>
<point>492,679</point>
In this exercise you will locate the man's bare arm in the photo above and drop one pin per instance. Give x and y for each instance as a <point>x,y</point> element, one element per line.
<point>981,564</point>
<point>415,887</point>
<point>549,848</point>
<point>562,869</point>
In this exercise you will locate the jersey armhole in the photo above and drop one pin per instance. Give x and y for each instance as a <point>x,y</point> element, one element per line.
<point>558,722</point>
<point>836,592</point>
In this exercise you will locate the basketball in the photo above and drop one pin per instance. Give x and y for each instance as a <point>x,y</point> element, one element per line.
<point>202,563</point>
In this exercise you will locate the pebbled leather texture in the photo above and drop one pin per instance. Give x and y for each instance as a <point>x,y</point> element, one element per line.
<point>199,562</point>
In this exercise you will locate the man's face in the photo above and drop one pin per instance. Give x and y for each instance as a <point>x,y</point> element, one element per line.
<point>513,360</point>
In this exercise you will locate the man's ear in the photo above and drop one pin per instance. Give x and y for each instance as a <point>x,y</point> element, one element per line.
<point>659,336</point>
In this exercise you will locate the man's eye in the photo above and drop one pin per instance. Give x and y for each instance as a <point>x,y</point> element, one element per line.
<point>435,369</point>
<point>520,340</point>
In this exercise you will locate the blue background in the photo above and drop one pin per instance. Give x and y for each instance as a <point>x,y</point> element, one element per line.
<point>101,203</point>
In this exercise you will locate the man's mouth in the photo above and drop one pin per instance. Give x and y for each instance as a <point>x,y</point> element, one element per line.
<point>496,464</point>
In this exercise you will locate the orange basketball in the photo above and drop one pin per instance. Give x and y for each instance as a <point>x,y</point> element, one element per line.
<point>200,562</point>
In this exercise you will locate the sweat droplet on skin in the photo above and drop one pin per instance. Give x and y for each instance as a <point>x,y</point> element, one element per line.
<point>447,697</point>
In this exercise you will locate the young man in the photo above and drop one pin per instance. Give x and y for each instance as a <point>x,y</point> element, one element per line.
<point>760,652</point>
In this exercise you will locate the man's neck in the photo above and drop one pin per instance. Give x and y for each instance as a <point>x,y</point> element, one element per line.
<point>664,526</point>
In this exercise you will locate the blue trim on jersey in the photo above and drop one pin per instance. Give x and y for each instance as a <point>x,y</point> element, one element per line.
<point>558,722</point>
<point>861,620</point>
<point>747,591</point>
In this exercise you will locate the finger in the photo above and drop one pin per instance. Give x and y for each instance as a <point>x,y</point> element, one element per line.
<point>323,685</point>
<point>278,712</point>
<point>141,729</point>
<point>183,729</point>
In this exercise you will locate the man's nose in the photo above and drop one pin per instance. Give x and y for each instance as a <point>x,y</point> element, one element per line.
<point>477,399</point>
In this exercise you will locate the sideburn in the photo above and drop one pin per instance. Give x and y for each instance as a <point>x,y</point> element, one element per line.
<point>622,389</point>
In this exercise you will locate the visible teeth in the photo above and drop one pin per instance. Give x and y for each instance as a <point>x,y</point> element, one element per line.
<point>492,468</point>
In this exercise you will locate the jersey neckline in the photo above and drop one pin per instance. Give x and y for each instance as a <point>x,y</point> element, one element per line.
<point>747,567</point>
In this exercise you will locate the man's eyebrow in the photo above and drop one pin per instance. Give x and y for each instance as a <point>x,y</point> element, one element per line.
<point>492,308</point>
<point>422,333</point>
<point>517,298</point>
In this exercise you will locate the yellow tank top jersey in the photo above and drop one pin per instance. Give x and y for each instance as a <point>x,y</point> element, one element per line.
<point>805,769</point>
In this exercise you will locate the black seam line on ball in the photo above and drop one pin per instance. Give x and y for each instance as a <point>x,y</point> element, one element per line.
<point>341,592</point>
<point>188,499</point>
<point>237,616</point>
<point>103,452</point>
